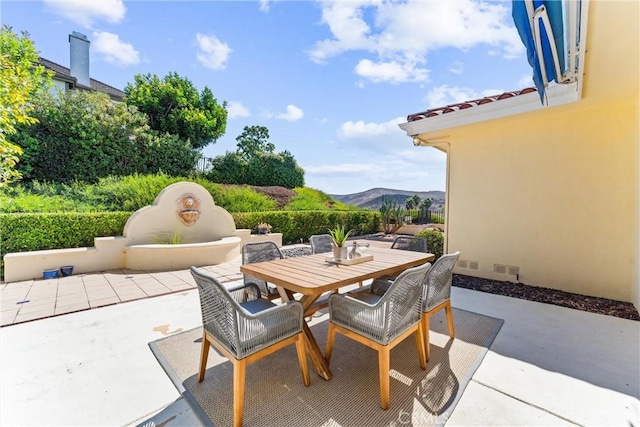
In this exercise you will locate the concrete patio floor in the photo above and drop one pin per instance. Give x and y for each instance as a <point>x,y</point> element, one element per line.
<point>548,365</point>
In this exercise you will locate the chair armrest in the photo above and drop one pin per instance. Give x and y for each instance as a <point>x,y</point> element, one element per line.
<point>292,307</point>
<point>359,316</point>
<point>245,292</point>
<point>259,330</point>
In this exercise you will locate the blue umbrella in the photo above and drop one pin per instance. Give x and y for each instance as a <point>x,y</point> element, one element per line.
<point>540,26</point>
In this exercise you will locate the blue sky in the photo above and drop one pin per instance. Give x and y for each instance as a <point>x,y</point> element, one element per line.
<point>331,80</point>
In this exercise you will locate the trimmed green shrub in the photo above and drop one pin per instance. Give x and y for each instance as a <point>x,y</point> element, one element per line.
<point>297,226</point>
<point>33,232</point>
<point>435,241</point>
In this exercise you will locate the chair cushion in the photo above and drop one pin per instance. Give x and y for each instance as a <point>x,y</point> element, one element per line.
<point>257,305</point>
<point>367,297</point>
<point>381,285</point>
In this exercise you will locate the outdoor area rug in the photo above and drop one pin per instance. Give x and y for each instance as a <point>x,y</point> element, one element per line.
<point>276,396</point>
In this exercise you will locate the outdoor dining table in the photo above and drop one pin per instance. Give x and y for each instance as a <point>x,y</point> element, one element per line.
<point>312,276</point>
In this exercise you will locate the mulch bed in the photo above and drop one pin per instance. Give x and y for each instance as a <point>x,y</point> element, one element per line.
<point>597,305</point>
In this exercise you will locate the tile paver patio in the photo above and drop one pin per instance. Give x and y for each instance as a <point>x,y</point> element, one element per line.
<point>36,299</point>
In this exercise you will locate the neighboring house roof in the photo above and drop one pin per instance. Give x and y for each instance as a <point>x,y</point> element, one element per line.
<point>467,104</point>
<point>64,74</point>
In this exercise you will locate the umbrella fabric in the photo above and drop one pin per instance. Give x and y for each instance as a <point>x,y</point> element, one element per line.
<point>523,23</point>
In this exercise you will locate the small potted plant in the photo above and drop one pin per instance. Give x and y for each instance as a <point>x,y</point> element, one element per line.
<point>263,228</point>
<point>339,236</point>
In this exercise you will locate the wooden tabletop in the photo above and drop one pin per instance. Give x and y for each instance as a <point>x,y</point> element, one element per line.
<point>313,275</point>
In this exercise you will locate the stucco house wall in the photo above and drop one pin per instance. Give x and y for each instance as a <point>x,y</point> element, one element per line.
<point>557,204</point>
<point>554,192</point>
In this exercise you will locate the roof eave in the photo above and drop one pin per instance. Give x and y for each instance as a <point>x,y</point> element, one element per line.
<point>556,95</point>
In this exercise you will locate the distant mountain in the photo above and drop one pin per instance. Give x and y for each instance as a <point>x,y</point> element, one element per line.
<point>372,199</point>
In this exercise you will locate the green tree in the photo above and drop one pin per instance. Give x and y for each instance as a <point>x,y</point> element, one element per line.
<point>254,140</point>
<point>255,162</point>
<point>174,106</point>
<point>412,202</point>
<point>266,169</point>
<point>83,136</point>
<point>425,204</point>
<point>229,168</point>
<point>21,78</point>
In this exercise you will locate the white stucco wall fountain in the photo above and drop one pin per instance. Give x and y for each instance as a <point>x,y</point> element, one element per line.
<point>183,227</point>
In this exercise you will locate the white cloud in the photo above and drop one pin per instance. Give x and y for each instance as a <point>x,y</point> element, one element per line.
<point>237,109</point>
<point>392,72</point>
<point>360,129</point>
<point>84,13</point>
<point>292,114</point>
<point>264,5</point>
<point>212,53</point>
<point>456,68</point>
<point>446,95</point>
<point>402,34</point>
<point>115,50</point>
<point>525,81</point>
<point>339,168</point>
<point>350,30</point>
<point>411,168</point>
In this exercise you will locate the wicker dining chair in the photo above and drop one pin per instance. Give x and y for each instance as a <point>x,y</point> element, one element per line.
<point>321,243</point>
<point>404,243</point>
<point>382,322</point>
<point>259,252</point>
<point>437,294</point>
<point>244,327</point>
<point>410,243</point>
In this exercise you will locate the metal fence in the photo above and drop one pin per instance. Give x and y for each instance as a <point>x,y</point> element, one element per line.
<point>428,216</point>
<point>204,164</point>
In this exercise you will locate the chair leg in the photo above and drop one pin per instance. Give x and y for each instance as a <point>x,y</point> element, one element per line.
<point>204,355</point>
<point>302,358</point>
<point>383,371</point>
<point>239,371</point>
<point>425,333</point>
<point>331,337</point>
<point>449,311</point>
<point>420,342</point>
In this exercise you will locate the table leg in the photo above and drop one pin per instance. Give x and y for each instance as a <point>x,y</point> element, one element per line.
<point>318,361</point>
<point>320,364</point>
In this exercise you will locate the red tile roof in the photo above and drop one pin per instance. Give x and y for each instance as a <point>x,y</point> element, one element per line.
<point>467,104</point>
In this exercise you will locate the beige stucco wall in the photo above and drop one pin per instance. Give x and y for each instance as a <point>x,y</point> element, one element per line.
<point>560,205</point>
<point>159,222</point>
<point>555,191</point>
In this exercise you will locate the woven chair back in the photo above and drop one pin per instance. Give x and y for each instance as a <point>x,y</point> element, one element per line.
<point>321,243</point>
<point>438,281</point>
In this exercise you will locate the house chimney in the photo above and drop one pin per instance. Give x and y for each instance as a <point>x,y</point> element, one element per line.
<point>79,63</point>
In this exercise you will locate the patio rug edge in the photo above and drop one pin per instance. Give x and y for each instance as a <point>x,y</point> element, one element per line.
<point>351,398</point>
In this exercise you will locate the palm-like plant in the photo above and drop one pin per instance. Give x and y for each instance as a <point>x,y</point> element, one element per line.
<point>339,235</point>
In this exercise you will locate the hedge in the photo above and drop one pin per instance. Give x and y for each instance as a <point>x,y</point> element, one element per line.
<point>39,231</point>
<point>297,226</point>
